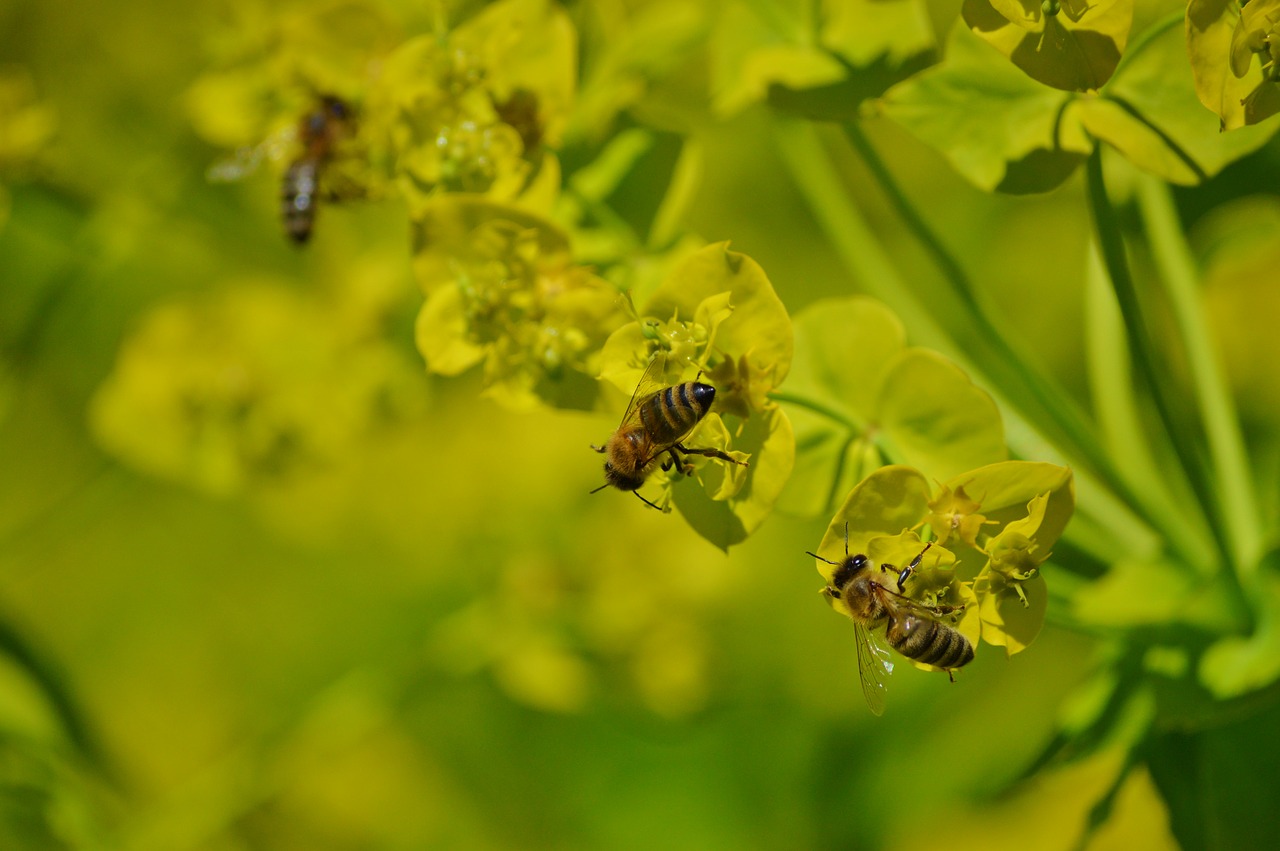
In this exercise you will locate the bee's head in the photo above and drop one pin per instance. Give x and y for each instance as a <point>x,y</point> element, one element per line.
<point>620,480</point>
<point>845,572</point>
<point>336,107</point>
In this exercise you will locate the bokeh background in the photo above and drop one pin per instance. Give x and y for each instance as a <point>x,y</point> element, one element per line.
<point>403,622</point>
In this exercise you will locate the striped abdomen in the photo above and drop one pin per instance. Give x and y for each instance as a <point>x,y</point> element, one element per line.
<point>669,414</point>
<point>928,641</point>
<point>298,198</point>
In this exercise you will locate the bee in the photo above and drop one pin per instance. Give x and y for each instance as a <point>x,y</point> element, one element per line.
<point>656,421</point>
<point>910,627</point>
<point>319,132</point>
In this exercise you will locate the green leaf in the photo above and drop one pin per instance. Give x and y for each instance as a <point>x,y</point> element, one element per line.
<point>997,127</point>
<point>1076,49</point>
<point>1149,113</point>
<point>724,522</point>
<point>442,335</point>
<point>1005,489</point>
<point>1220,43</point>
<point>821,61</point>
<point>843,348</point>
<point>1009,619</point>
<point>855,384</point>
<point>1236,665</point>
<point>1216,781</point>
<point>758,329</point>
<point>628,49</point>
<point>938,419</point>
<point>886,502</point>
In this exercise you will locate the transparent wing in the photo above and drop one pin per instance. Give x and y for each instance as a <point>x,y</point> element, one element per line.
<point>651,382</point>
<point>246,160</point>
<point>874,667</point>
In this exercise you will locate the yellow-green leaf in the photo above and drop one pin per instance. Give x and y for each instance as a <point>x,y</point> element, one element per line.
<point>758,327</point>
<point>886,502</point>
<point>1076,49</point>
<point>1009,620</point>
<point>938,419</point>
<point>441,334</point>
<point>1149,113</point>
<point>997,127</point>
<point>1220,43</point>
<point>768,440</point>
<point>843,347</point>
<point>1235,665</point>
<point>1004,489</point>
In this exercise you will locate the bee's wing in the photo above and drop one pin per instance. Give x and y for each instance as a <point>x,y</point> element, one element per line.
<point>246,159</point>
<point>651,382</point>
<point>874,666</point>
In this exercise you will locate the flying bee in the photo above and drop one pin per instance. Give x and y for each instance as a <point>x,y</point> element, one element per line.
<point>910,627</point>
<point>318,133</point>
<point>656,421</point>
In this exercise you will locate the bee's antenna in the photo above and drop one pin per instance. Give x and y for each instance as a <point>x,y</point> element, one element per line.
<point>602,487</point>
<point>820,558</point>
<point>846,539</point>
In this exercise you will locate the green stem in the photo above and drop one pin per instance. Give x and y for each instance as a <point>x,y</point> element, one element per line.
<point>1236,503</point>
<point>874,436</point>
<point>50,681</point>
<point>859,248</point>
<point>818,408</point>
<point>1143,347</point>
<point>1052,404</point>
<point>1108,363</point>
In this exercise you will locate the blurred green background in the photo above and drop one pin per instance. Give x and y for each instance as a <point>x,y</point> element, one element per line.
<point>415,628</point>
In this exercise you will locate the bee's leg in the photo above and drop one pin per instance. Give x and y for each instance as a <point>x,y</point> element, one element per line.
<point>650,504</point>
<point>911,568</point>
<point>597,448</point>
<point>710,453</point>
<point>951,674</point>
<point>687,469</point>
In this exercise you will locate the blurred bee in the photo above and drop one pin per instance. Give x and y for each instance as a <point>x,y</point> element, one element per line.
<point>317,133</point>
<point>910,627</point>
<point>657,419</point>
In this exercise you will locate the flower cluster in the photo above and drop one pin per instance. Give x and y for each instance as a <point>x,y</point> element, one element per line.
<point>477,109</point>
<point>254,385</point>
<point>562,638</point>
<point>1234,53</point>
<point>990,529</point>
<point>717,315</point>
<point>503,291</point>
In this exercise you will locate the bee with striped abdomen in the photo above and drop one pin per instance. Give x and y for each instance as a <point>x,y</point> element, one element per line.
<point>910,627</point>
<point>656,421</point>
<point>319,132</point>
